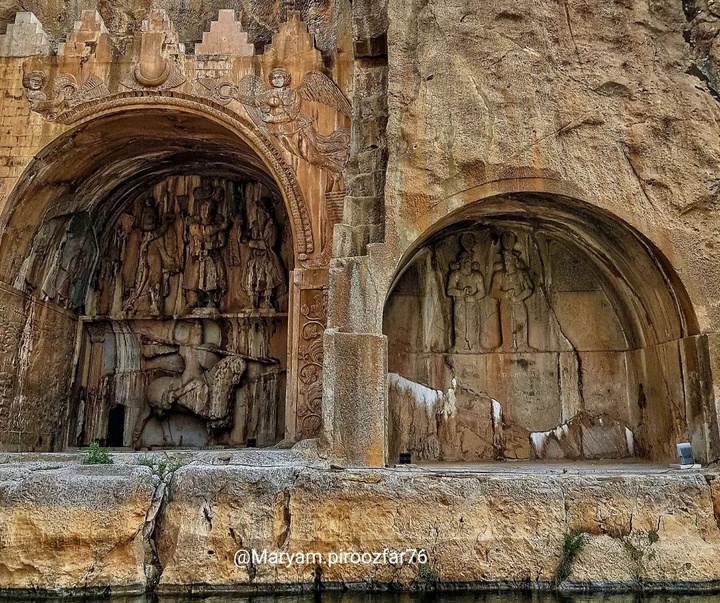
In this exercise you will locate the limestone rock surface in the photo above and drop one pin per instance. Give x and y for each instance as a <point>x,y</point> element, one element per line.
<point>65,527</point>
<point>475,527</point>
<point>596,98</point>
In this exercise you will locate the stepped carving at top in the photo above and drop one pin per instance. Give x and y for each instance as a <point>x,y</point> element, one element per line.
<point>294,104</point>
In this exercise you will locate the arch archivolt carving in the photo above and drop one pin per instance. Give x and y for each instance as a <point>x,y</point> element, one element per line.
<point>268,152</point>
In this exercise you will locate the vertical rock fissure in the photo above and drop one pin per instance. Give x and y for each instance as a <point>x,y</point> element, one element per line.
<point>153,567</point>
<point>714,484</point>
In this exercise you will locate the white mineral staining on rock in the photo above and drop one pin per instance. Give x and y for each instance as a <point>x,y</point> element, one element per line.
<point>421,394</point>
<point>584,436</point>
<point>630,440</point>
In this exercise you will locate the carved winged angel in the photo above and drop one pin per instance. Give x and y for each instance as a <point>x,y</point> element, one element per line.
<point>276,110</point>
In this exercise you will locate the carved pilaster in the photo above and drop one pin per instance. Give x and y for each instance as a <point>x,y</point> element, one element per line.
<point>308,303</point>
<point>313,320</point>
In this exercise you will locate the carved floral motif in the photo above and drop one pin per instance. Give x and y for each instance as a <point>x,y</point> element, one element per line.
<point>310,353</point>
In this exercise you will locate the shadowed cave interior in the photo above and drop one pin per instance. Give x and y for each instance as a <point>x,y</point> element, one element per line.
<point>165,260</point>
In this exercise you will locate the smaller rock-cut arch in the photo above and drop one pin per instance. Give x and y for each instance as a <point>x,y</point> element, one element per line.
<point>532,327</point>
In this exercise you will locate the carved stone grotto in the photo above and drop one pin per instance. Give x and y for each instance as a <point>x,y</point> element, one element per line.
<point>183,299</point>
<point>511,338</point>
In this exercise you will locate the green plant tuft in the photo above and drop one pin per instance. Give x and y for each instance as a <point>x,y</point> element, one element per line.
<point>97,456</point>
<point>427,573</point>
<point>638,547</point>
<point>573,544</point>
<point>160,467</point>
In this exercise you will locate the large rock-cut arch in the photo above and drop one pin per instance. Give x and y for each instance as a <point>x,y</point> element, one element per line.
<point>98,314</point>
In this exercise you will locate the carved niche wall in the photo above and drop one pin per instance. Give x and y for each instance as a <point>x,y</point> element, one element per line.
<point>280,104</point>
<point>509,341</point>
<point>184,336</point>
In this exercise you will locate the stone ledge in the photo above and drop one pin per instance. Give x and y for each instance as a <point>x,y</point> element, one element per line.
<point>73,528</point>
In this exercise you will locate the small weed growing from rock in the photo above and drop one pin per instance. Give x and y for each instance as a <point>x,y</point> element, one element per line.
<point>160,467</point>
<point>97,456</point>
<point>428,574</point>
<point>638,547</point>
<point>573,544</point>
<point>147,462</point>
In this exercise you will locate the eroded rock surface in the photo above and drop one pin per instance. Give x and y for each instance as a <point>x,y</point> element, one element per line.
<point>475,527</point>
<point>65,527</point>
<point>595,95</point>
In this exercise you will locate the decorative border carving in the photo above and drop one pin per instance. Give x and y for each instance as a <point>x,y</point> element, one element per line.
<point>313,312</point>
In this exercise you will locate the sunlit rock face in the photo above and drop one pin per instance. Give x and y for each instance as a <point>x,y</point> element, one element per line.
<point>82,527</point>
<point>538,142</point>
<point>465,232</point>
<point>456,229</point>
<point>259,19</point>
<point>69,528</point>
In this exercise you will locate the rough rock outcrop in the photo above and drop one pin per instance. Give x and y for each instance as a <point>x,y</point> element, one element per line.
<point>71,528</point>
<point>65,527</point>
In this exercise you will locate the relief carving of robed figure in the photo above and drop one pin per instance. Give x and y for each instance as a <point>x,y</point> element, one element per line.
<point>265,273</point>
<point>511,285</point>
<point>149,270</point>
<point>466,285</point>
<point>205,280</point>
<point>494,318</point>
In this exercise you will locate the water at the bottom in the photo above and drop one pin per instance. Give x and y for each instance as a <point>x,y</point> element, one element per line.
<point>422,597</point>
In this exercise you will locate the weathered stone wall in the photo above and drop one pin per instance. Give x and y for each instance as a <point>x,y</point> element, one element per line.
<point>70,86</point>
<point>260,19</point>
<point>67,527</point>
<point>81,527</point>
<point>476,528</point>
<point>610,106</point>
<point>37,343</point>
<point>598,102</point>
<point>592,99</point>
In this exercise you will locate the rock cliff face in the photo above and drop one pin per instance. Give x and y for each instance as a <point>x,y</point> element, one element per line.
<point>597,95</point>
<point>607,104</point>
<point>68,528</point>
<point>512,204</point>
<point>476,528</point>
